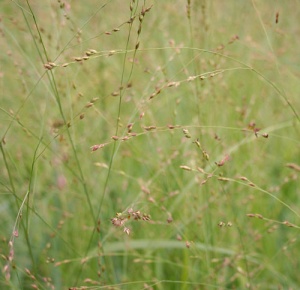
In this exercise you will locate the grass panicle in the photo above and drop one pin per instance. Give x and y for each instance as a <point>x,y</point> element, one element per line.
<point>149,145</point>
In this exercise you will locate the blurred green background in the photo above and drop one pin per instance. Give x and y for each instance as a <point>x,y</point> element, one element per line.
<point>202,101</point>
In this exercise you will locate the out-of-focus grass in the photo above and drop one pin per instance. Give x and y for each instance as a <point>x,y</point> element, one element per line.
<point>201,175</point>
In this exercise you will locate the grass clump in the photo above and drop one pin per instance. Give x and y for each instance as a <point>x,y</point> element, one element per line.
<point>149,145</point>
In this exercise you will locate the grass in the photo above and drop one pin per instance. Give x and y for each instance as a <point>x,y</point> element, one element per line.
<point>149,145</point>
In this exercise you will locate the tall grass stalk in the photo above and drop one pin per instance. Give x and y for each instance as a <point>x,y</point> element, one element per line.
<point>149,145</point>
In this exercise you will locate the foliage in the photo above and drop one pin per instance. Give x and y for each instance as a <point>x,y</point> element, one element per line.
<point>149,144</point>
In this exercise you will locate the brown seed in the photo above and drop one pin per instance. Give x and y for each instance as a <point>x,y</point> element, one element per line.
<point>151,199</point>
<point>185,167</point>
<point>251,215</point>
<point>115,94</point>
<point>191,78</point>
<point>155,93</point>
<point>131,19</point>
<point>173,84</point>
<point>88,105</point>
<point>293,166</point>
<point>129,127</point>
<point>47,66</point>
<point>221,224</point>
<point>140,29</point>
<point>223,179</point>
<point>149,128</point>
<point>93,100</point>
<point>288,224</point>
<point>148,9</point>
<point>222,162</point>
<point>97,146</point>
<point>57,123</point>
<point>169,219</point>
<point>203,182</point>
<point>205,155</point>
<point>90,52</point>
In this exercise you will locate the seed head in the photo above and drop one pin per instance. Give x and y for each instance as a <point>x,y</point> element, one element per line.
<point>205,155</point>
<point>149,128</point>
<point>96,147</point>
<point>222,162</point>
<point>169,219</point>
<point>293,166</point>
<point>148,9</point>
<point>221,224</point>
<point>186,133</point>
<point>118,221</point>
<point>251,215</point>
<point>49,65</point>
<point>90,52</point>
<point>265,135</point>
<point>191,78</point>
<point>125,138</point>
<point>185,168</point>
<point>277,17</point>
<point>129,127</point>
<point>89,104</point>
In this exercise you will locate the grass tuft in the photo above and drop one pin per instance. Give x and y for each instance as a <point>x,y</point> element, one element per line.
<point>149,145</point>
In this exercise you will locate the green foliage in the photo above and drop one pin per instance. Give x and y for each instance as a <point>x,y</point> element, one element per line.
<point>149,145</point>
